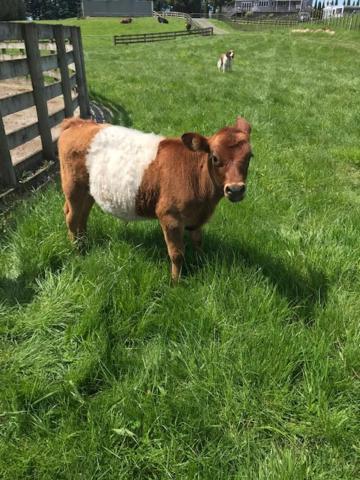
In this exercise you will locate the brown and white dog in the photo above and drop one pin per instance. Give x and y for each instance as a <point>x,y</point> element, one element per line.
<point>137,176</point>
<point>225,61</point>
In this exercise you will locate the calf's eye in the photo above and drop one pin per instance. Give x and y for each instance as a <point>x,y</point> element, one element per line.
<point>216,162</point>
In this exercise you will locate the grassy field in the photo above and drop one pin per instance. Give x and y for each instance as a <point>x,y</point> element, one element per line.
<point>249,369</point>
<point>112,26</point>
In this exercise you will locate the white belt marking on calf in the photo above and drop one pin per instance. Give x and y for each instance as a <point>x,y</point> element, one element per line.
<point>116,161</point>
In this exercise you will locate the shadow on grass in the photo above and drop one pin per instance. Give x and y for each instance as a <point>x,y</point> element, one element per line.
<point>22,289</point>
<point>116,113</point>
<point>303,292</point>
<point>16,291</point>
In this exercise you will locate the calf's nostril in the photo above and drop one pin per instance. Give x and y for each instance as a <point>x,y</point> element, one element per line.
<point>235,189</point>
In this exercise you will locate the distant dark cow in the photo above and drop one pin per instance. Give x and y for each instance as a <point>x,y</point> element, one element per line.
<point>126,20</point>
<point>188,27</point>
<point>162,20</point>
<point>137,176</point>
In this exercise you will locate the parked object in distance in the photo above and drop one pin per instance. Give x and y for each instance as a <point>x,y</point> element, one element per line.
<point>126,20</point>
<point>136,176</point>
<point>304,17</point>
<point>162,20</point>
<point>224,63</point>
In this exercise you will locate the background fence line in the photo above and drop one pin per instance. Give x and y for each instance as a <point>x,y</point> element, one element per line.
<point>22,55</point>
<point>347,22</point>
<point>156,37</point>
<point>186,16</point>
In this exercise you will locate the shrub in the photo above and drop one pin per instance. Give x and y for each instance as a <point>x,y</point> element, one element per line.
<point>12,10</point>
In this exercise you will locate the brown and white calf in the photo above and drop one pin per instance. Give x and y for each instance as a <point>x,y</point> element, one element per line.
<point>136,175</point>
<point>225,61</point>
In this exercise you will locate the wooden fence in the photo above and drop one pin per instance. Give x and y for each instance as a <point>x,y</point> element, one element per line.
<point>188,18</point>
<point>37,52</point>
<point>156,37</point>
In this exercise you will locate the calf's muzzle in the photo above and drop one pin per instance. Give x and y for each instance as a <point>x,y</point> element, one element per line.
<point>235,191</point>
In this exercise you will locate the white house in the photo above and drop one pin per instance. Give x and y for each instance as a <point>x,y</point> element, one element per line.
<point>271,6</point>
<point>335,11</point>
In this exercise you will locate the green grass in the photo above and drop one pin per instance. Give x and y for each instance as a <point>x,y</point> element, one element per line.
<point>249,369</point>
<point>112,26</point>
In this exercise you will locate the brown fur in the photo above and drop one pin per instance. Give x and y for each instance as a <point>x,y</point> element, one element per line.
<point>73,143</point>
<point>181,187</point>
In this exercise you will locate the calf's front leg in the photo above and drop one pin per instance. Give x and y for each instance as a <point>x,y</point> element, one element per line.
<point>173,230</point>
<point>196,240</point>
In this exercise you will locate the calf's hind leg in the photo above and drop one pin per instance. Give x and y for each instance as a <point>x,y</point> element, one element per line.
<point>77,207</point>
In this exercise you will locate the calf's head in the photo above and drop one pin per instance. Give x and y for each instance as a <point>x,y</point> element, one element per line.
<point>229,154</point>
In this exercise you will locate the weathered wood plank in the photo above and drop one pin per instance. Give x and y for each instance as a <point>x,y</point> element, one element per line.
<point>10,31</point>
<point>42,45</point>
<point>86,92</point>
<point>15,103</point>
<point>53,90</point>
<point>65,80</point>
<point>28,163</point>
<point>80,73</point>
<point>7,174</point>
<point>14,68</point>
<point>19,67</point>
<point>75,103</point>
<point>49,62</point>
<point>44,31</point>
<point>37,80</point>
<point>23,135</point>
<point>67,32</point>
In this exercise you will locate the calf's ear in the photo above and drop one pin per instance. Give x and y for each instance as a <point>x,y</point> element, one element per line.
<point>196,142</point>
<point>243,125</point>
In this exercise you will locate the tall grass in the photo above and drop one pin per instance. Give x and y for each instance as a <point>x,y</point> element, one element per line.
<point>249,369</point>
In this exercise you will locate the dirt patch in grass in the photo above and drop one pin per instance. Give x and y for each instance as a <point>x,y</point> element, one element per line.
<point>310,30</point>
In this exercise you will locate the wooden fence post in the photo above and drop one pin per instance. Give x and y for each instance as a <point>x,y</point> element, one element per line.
<point>7,173</point>
<point>80,73</point>
<point>64,70</point>
<point>84,71</point>
<point>34,62</point>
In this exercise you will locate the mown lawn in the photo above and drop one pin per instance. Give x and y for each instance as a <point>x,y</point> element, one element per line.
<point>112,26</point>
<point>249,369</point>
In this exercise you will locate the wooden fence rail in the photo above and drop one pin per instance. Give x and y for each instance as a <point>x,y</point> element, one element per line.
<point>64,48</point>
<point>186,16</point>
<point>156,37</point>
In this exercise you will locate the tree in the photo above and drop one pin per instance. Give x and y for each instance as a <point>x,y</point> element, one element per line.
<point>12,10</point>
<point>53,9</point>
<point>186,6</point>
